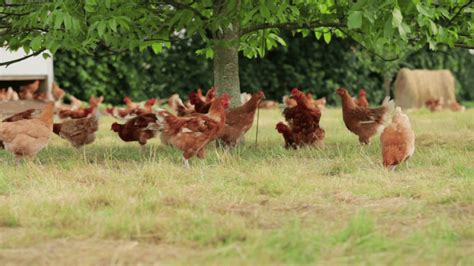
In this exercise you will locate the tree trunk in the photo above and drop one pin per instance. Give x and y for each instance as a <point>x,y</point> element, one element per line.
<point>226,60</point>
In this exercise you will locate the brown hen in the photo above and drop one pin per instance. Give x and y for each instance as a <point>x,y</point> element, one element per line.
<point>239,120</point>
<point>362,121</point>
<point>397,140</point>
<point>78,132</point>
<point>191,134</point>
<point>303,123</point>
<point>138,129</point>
<point>25,138</point>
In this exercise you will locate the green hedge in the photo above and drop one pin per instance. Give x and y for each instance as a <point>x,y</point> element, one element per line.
<point>305,63</point>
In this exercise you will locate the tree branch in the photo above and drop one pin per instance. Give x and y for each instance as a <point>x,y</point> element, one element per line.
<point>24,4</point>
<point>6,14</point>
<point>291,26</point>
<point>459,11</point>
<point>464,46</point>
<point>7,63</point>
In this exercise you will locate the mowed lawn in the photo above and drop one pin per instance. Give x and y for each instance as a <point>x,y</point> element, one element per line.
<point>250,206</point>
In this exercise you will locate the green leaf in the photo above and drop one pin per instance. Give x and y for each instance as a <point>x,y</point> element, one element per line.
<point>355,20</point>
<point>67,21</point>
<point>444,12</point>
<point>52,45</point>
<point>36,43</point>
<point>101,28</point>
<point>264,10</point>
<point>277,38</point>
<point>396,17</point>
<point>295,10</point>
<point>46,55</point>
<point>209,53</point>
<point>423,10</point>
<point>304,32</point>
<point>318,34</point>
<point>380,43</point>
<point>58,20</point>
<point>404,29</point>
<point>113,24</point>
<point>327,37</point>
<point>388,30</point>
<point>434,28</point>
<point>157,47</point>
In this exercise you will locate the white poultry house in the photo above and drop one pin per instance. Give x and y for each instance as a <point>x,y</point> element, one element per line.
<point>33,68</point>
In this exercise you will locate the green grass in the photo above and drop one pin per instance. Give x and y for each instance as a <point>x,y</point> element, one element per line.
<point>251,206</point>
<point>468,104</point>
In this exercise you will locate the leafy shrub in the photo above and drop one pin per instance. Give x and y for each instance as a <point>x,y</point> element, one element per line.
<point>306,63</point>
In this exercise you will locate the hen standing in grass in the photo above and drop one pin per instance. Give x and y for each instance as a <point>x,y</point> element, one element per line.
<point>137,129</point>
<point>25,138</point>
<point>435,105</point>
<point>456,107</point>
<point>191,134</point>
<point>78,132</point>
<point>397,140</point>
<point>303,122</point>
<point>240,119</point>
<point>362,121</point>
<point>28,114</point>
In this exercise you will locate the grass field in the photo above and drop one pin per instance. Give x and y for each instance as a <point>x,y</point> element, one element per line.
<point>251,206</point>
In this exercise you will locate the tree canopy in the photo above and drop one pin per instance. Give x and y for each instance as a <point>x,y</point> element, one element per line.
<point>384,27</point>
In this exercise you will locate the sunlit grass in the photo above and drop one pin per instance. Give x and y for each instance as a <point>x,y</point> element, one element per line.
<point>257,204</point>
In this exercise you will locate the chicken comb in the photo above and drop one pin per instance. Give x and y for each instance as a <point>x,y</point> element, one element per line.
<point>127,99</point>
<point>151,101</point>
<point>89,110</point>
<point>225,98</point>
<point>295,91</point>
<point>193,97</point>
<point>362,92</point>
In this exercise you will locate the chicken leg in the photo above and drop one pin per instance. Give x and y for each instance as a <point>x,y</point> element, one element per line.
<point>186,163</point>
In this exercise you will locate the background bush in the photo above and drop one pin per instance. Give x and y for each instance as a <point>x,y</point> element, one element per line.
<point>306,63</point>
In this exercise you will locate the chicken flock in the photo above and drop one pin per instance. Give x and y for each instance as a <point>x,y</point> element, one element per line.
<point>191,125</point>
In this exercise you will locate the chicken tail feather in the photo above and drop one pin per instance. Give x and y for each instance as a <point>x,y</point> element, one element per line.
<point>389,104</point>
